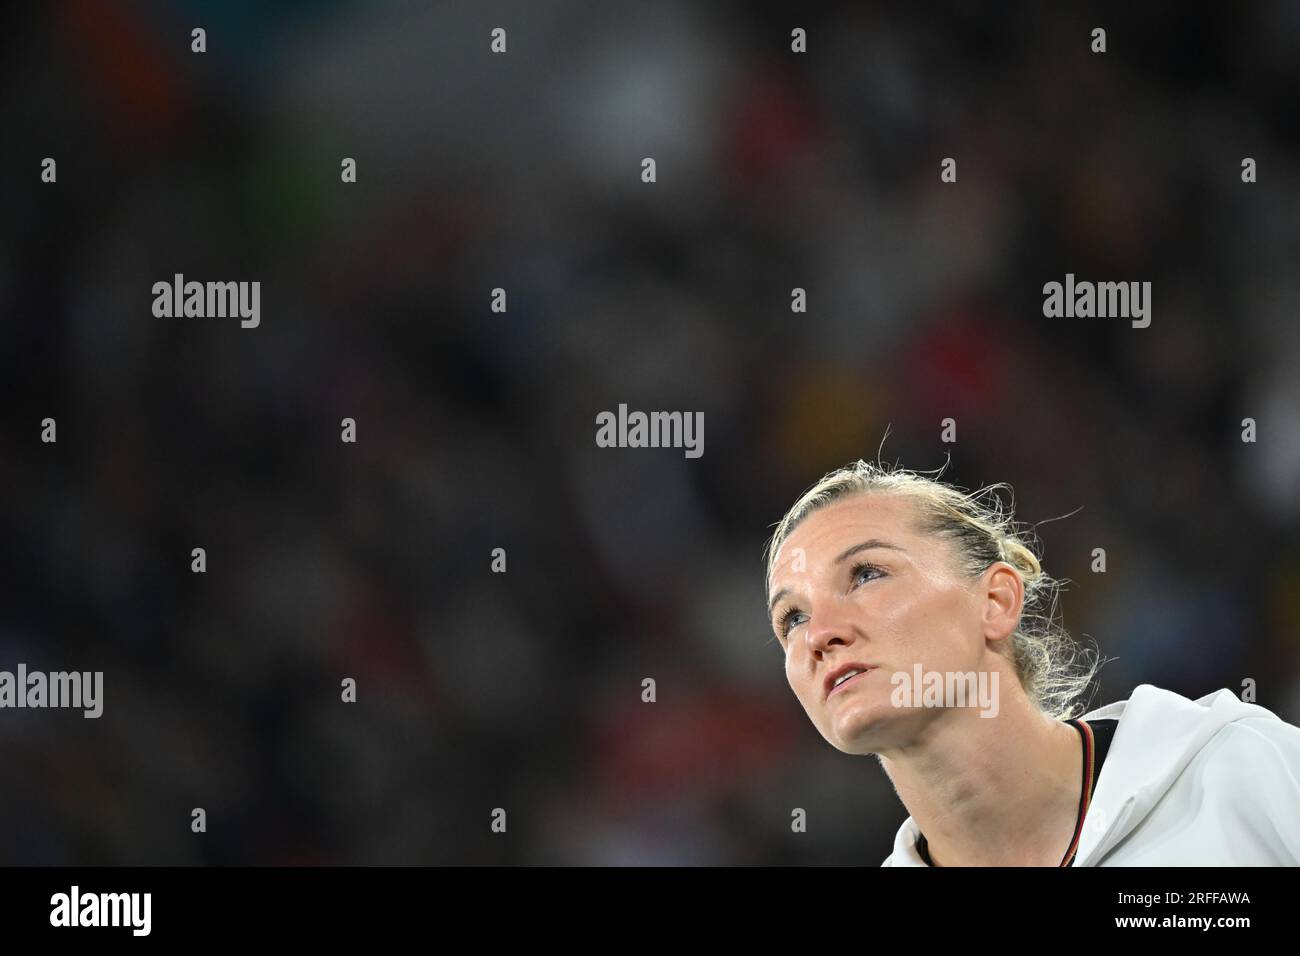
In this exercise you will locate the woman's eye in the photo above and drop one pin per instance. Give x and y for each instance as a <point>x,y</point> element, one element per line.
<point>788,621</point>
<point>863,573</point>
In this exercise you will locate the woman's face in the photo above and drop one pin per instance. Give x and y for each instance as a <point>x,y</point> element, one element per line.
<point>855,583</point>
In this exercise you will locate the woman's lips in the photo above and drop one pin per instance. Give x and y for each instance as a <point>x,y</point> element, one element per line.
<point>854,679</point>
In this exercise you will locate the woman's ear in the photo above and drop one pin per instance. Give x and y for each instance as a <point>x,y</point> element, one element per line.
<point>1003,596</point>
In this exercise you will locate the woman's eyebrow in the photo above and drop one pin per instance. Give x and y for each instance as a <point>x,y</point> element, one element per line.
<point>866,546</point>
<point>848,553</point>
<point>775,598</point>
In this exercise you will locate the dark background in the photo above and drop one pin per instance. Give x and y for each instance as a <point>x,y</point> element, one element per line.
<point>476,429</point>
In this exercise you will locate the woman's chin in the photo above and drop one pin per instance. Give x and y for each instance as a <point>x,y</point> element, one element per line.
<point>856,724</point>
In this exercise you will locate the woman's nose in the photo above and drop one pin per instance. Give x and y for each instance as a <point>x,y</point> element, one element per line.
<point>828,625</point>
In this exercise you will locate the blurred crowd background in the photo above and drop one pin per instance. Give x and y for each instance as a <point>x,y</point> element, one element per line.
<point>476,429</point>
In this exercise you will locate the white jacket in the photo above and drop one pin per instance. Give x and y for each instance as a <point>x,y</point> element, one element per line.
<point>1208,782</point>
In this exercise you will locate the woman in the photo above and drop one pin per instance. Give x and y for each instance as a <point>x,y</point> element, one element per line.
<point>881,580</point>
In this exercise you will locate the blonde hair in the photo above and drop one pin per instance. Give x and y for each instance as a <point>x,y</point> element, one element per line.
<point>1053,669</point>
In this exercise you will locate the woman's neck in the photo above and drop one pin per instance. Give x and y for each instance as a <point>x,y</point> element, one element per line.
<point>1001,791</point>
